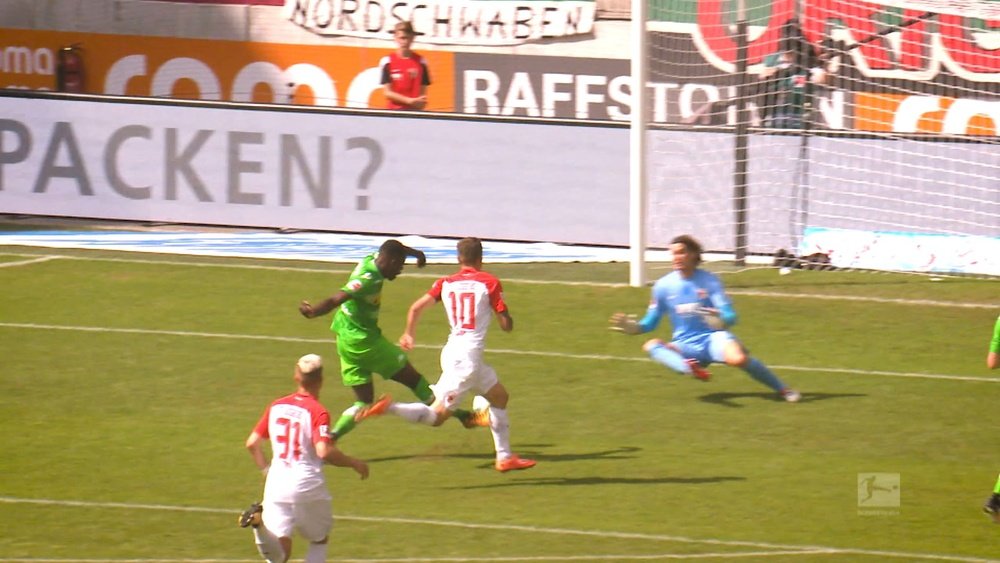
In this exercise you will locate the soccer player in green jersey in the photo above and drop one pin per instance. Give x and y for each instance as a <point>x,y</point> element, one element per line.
<point>360,344</point>
<point>992,506</point>
<point>993,356</point>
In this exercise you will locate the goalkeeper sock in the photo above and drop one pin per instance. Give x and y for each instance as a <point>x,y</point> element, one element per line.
<point>346,421</point>
<point>761,373</point>
<point>268,545</point>
<point>663,355</point>
<point>500,427</point>
<point>414,412</point>
<point>423,391</point>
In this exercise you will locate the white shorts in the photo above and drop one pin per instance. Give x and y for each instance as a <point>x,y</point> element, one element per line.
<point>312,518</point>
<point>462,371</point>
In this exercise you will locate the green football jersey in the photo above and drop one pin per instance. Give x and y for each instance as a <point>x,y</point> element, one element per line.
<point>357,318</point>
<point>995,343</point>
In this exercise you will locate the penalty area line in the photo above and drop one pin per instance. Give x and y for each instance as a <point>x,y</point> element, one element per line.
<point>497,559</point>
<point>777,549</point>
<point>562,355</point>
<point>511,281</point>
<point>27,262</point>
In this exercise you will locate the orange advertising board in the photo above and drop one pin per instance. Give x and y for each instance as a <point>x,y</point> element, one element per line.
<point>202,69</point>
<point>901,113</point>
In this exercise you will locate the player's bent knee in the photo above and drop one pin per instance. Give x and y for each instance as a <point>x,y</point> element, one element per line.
<point>651,343</point>
<point>737,360</point>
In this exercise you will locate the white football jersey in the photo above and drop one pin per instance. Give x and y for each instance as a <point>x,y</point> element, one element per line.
<point>294,424</point>
<point>470,298</point>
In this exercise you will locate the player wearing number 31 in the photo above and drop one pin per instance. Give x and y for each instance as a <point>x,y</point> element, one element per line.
<point>295,493</point>
<point>701,313</point>
<point>471,297</point>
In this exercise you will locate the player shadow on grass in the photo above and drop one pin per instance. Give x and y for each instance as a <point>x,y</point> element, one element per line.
<point>562,481</point>
<point>622,452</point>
<point>729,399</point>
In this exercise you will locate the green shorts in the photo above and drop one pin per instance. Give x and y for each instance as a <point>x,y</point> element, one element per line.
<point>359,359</point>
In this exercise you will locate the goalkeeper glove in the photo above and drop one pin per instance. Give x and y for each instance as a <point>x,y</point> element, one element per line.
<point>624,323</point>
<point>712,318</point>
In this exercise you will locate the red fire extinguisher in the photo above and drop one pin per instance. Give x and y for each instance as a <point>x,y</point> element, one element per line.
<point>69,72</point>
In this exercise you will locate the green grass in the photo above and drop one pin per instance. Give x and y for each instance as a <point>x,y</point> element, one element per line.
<point>142,427</point>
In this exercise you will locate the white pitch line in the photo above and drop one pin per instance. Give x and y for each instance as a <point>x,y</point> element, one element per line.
<point>596,357</point>
<point>792,549</point>
<point>562,355</point>
<point>26,262</point>
<point>509,281</point>
<point>827,297</point>
<point>651,557</point>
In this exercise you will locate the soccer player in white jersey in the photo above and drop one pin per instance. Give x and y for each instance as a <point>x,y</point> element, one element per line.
<point>471,299</point>
<point>701,313</point>
<point>295,493</point>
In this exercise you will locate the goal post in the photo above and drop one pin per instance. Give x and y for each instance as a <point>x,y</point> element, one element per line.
<point>863,131</point>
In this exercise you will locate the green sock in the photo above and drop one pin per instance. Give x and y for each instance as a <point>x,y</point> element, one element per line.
<point>346,421</point>
<point>423,391</point>
<point>461,414</point>
<point>996,488</point>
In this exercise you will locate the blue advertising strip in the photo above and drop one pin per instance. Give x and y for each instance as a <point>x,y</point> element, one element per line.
<point>905,252</point>
<point>323,247</point>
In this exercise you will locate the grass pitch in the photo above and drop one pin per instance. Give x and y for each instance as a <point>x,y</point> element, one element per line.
<point>129,382</point>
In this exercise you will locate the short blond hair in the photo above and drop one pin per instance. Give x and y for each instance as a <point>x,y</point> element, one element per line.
<point>310,367</point>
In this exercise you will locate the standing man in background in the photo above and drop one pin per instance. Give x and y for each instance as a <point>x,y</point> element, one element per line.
<point>405,77</point>
<point>295,493</point>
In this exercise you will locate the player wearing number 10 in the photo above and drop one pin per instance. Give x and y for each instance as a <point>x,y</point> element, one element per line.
<point>471,297</point>
<point>295,493</point>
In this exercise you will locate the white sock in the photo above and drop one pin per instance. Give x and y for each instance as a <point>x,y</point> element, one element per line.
<point>316,553</point>
<point>500,427</point>
<point>268,545</point>
<point>414,412</point>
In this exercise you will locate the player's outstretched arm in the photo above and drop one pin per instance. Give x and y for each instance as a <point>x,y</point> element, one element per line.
<point>310,311</point>
<point>624,323</point>
<point>332,455</point>
<point>412,318</point>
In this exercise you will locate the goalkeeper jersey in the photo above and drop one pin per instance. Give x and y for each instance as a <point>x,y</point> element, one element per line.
<point>357,318</point>
<point>682,300</point>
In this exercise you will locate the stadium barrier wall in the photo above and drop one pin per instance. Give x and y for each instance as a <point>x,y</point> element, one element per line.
<point>264,166</point>
<point>254,165</point>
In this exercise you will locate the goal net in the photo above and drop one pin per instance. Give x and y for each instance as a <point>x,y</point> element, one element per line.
<point>863,132</point>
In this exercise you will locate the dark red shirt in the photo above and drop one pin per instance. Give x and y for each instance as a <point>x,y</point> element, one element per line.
<point>405,75</point>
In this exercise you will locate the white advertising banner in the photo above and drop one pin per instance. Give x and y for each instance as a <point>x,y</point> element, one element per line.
<point>447,22</point>
<point>316,170</point>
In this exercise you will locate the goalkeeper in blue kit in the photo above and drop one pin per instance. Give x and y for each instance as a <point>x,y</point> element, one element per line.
<point>700,313</point>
